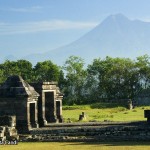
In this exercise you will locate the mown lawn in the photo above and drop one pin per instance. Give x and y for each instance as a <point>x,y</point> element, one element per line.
<point>78,146</point>
<point>95,112</point>
<point>101,112</point>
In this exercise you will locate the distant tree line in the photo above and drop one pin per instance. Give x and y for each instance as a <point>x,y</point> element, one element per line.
<point>108,78</point>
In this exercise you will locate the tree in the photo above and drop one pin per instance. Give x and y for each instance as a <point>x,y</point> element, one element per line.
<point>9,68</point>
<point>25,70</point>
<point>75,77</point>
<point>115,78</point>
<point>1,74</point>
<point>46,71</point>
<point>143,66</point>
<point>20,67</point>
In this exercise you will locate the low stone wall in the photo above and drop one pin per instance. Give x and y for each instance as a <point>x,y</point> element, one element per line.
<point>133,131</point>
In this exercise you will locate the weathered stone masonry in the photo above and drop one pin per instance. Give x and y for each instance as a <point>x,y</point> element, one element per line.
<point>18,98</point>
<point>50,102</point>
<point>102,132</point>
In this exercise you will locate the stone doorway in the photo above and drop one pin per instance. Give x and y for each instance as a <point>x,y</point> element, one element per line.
<point>33,117</point>
<point>58,108</point>
<point>50,113</point>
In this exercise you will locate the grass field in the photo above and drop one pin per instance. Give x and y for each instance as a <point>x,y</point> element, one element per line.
<point>101,112</point>
<point>94,112</point>
<point>78,146</point>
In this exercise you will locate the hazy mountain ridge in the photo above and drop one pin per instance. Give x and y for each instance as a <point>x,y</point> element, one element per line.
<point>116,36</point>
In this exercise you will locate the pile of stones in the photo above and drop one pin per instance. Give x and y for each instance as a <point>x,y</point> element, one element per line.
<point>8,131</point>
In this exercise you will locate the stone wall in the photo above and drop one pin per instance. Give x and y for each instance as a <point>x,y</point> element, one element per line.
<point>8,133</point>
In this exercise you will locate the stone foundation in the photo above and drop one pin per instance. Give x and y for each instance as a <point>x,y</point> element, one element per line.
<point>122,131</point>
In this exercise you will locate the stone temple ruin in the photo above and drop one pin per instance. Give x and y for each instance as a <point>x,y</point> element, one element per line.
<point>33,106</point>
<point>27,107</point>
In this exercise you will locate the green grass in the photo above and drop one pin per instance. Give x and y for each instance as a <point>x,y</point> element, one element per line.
<point>101,112</point>
<point>78,145</point>
<point>94,112</point>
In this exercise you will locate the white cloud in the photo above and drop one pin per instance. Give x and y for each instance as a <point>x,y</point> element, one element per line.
<point>41,26</point>
<point>146,19</point>
<point>23,10</point>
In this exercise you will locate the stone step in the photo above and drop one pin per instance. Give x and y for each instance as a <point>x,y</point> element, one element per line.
<point>49,138</point>
<point>103,123</point>
<point>94,133</point>
<point>105,132</point>
<point>86,129</point>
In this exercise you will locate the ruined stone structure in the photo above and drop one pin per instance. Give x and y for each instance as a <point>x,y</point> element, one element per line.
<point>8,129</point>
<point>18,98</point>
<point>31,107</point>
<point>98,131</point>
<point>50,103</point>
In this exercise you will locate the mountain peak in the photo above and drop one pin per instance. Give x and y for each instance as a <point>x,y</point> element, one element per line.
<point>116,18</point>
<point>116,36</point>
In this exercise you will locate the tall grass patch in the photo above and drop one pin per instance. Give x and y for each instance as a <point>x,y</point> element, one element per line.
<point>104,111</point>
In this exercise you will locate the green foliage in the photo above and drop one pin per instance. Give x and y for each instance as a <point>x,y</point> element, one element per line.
<point>43,71</point>
<point>75,78</point>
<point>25,69</point>
<point>116,78</point>
<point>20,67</point>
<point>104,79</point>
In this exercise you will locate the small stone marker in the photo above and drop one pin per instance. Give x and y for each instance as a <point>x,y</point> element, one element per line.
<point>82,117</point>
<point>130,105</point>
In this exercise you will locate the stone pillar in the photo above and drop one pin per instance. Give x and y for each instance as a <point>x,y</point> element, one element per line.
<point>22,115</point>
<point>36,115</point>
<point>59,110</point>
<point>43,109</point>
<point>28,115</point>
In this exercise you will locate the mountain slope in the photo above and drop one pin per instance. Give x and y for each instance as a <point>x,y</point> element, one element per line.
<point>116,36</point>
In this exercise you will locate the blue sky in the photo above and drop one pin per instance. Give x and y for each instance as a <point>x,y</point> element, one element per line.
<point>36,26</point>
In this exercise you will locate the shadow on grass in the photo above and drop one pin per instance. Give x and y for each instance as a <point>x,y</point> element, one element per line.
<point>126,143</point>
<point>105,105</point>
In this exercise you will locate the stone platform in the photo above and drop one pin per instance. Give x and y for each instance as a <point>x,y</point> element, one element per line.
<point>99,131</point>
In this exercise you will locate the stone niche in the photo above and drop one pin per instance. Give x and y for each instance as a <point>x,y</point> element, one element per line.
<point>18,98</point>
<point>49,103</point>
